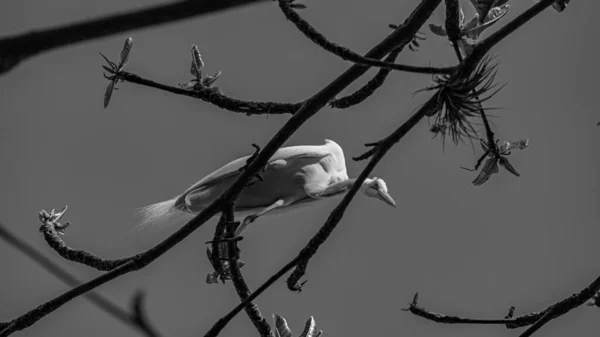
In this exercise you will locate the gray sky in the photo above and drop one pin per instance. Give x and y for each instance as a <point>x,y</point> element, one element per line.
<point>473,251</point>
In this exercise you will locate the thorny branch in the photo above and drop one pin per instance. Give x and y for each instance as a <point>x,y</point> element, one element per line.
<point>348,54</point>
<point>399,37</point>
<point>135,320</point>
<point>14,49</point>
<point>534,320</point>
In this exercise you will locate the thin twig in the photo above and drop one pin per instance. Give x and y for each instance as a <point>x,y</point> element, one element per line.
<point>399,37</point>
<point>70,280</point>
<point>14,49</point>
<point>347,54</point>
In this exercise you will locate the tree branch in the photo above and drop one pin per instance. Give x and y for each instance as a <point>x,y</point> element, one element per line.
<point>259,108</point>
<point>401,36</point>
<point>368,89</point>
<point>14,49</point>
<point>348,54</point>
<point>254,314</point>
<point>49,228</point>
<point>70,280</point>
<point>535,319</point>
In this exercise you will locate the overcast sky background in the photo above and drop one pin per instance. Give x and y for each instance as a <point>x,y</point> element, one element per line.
<point>471,251</point>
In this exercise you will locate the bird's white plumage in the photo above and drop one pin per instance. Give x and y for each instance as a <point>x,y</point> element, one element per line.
<point>294,176</point>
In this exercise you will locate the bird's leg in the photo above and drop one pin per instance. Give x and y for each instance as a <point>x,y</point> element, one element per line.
<point>250,218</point>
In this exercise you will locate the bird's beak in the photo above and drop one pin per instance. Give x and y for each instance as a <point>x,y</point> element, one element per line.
<point>386,198</point>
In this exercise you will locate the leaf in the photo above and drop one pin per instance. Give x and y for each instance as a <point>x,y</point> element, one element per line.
<point>197,62</point>
<point>125,53</point>
<point>493,16</point>
<point>281,327</point>
<point>483,7</point>
<point>109,91</point>
<point>520,144</point>
<point>310,328</point>
<point>209,80</point>
<point>111,63</point>
<point>466,47</point>
<point>490,167</point>
<point>484,145</point>
<point>504,162</point>
<point>212,278</point>
<point>437,30</point>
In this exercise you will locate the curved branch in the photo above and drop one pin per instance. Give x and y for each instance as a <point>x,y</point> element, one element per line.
<point>49,230</point>
<point>54,269</point>
<point>535,319</point>
<point>348,54</point>
<point>14,49</point>
<point>398,38</point>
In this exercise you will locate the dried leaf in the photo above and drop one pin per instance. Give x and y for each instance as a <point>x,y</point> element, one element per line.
<point>109,91</point>
<point>281,327</point>
<point>490,167</point>
<point>125,53</point>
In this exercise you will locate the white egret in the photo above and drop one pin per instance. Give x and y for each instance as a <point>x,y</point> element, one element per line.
<point>294,176</point>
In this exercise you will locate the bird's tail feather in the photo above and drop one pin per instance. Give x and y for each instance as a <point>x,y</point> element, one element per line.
<point>159,213</point>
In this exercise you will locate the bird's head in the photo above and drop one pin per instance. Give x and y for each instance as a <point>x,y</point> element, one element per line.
<point>376,188</point>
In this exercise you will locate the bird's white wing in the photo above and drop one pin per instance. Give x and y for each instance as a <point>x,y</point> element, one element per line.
<point>232,169</point>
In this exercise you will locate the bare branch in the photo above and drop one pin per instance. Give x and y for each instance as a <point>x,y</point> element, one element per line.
<point>14,49</point>
<point>535,319</point>
<point>261,324</point>
<point>348,54</point>
<point>368,89</point>
<point>218,99</point>
<point>54,269</point>
<point>49,228</point>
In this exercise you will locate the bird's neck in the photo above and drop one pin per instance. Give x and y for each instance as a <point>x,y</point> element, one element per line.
<point>338,188</point>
